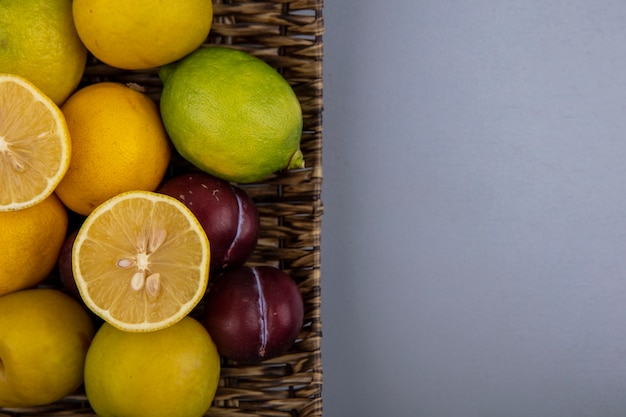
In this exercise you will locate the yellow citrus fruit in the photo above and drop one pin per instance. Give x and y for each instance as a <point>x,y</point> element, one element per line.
<point>142,34</point>
<point>45,335</point>
<point>31,240</point>
<point>118,144</point>
<point>38,41</point>
<point>231,114</point>
<point>35,146</point>
<point>141,261</point>
<point>169,372</point>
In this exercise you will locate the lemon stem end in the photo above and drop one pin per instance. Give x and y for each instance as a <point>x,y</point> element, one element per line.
<point>296,161</point>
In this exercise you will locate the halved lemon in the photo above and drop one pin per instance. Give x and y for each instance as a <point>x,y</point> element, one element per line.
<point>141,261</point>
<point>35,146</point>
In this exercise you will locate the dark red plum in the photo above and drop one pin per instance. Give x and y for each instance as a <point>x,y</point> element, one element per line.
<point>225,211</point>
<point>253,313</point>
<point>65,265</point>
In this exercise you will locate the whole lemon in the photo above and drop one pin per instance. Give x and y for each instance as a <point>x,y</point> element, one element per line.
<point>38,41</point>
<point>142,34</point>
<point>118,144</point>
<point>44,336</point>
<point>31,240</point>
<point>164,373</point>
<point>231,114</point>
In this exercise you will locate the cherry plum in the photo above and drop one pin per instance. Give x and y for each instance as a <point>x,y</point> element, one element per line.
<point>253,313</point>
<point>225,211</point>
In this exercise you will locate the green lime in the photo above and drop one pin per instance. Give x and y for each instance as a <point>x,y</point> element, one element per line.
<point>231,114</point>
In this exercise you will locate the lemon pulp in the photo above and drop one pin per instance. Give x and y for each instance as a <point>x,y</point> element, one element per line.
<point>35,147</point>
<point>141,261</point>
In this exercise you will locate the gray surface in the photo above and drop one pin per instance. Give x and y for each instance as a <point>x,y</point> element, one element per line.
<point>474,233</point>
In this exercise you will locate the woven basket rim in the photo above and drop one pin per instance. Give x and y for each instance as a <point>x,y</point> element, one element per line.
<point>289,36</point>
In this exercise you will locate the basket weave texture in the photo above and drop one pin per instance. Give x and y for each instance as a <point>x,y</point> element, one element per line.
<point>288,36</point>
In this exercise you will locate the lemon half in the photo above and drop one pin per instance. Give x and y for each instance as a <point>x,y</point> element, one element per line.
<point>141,261</point>
<point>35,147</point>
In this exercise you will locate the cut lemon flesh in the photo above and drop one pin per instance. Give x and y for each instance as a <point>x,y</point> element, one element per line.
<point>141,261</point>
<point>35,146</point>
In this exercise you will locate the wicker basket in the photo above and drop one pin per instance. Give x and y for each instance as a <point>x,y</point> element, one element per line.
<point>288,35</point>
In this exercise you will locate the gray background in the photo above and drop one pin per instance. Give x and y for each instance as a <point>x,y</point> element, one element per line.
<point>474,231</point>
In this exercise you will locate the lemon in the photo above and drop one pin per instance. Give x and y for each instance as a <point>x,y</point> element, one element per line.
<point>231,114</point>
<point>142,34</point>
<point>165,373</point>
<point>118,144</point>
<point>35,145</point>
<point>141,261</point>
<point>44,336</point>
<point>38,41</point>
<point>31,240</point>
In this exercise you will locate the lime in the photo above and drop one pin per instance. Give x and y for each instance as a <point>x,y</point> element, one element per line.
<point>231,114</point>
